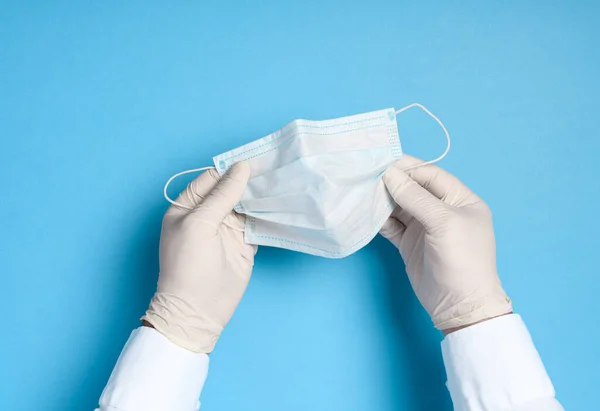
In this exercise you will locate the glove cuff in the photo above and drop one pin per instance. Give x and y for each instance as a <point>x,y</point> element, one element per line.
<point>182,324</point>
<point>494,303</point>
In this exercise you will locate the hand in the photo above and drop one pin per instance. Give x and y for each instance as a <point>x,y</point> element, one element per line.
<point>205,265</point>
<point>445,235</point>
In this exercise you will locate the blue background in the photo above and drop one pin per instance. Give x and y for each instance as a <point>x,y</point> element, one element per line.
<point>100,102</point>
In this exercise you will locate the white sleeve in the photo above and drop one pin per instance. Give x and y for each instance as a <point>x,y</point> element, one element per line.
<point>494,366</point>
<point>154,374</point>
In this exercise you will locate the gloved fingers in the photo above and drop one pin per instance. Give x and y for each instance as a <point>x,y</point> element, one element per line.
<point>204,184</point>
<point>225,195</point>
<point>393,230</point>
<point>412,198</point>
<point>439,182</point>
<point>402,215</point>
<point>235,221</point>
<point>196,191</point>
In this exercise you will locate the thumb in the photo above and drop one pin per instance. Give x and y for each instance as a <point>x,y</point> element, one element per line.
<point>225,195</point>
<point>412,198</point>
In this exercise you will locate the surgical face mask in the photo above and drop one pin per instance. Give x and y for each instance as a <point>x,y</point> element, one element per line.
<point>316,186</point>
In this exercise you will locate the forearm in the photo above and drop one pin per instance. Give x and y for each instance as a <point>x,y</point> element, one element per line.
<point>153,374</point>
<point>494,365</point>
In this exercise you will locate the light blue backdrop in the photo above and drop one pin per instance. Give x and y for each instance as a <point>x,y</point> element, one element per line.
<point>100,102</point>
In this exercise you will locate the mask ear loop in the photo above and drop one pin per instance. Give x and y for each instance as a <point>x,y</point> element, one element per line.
<point>435,160</point>
<point>175,203</point>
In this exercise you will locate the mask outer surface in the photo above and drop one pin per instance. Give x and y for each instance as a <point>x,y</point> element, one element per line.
<point>316,186</point>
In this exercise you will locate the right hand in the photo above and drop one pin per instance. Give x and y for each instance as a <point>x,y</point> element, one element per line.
<point>445,236</point>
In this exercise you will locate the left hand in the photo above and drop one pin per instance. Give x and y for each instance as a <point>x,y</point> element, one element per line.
<point>205,265</point>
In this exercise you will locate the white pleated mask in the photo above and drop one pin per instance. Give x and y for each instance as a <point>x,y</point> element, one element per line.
<point>316,186</point>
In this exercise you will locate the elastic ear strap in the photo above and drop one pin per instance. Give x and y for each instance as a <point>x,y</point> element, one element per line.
<point>435,160</point>
<point>175,203</point>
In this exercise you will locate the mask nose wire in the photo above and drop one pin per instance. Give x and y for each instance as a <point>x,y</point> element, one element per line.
<point>433,116</point>
<point>175,203</point>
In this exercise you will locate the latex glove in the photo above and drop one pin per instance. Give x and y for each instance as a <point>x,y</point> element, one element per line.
<point>205,265</point>
<point>445,235</point>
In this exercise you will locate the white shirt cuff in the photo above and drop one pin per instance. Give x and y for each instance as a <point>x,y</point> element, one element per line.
<point>153,374</point>
<point>495,366</point>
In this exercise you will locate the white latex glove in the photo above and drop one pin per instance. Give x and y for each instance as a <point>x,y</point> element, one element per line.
<point>205,265</point>
<point>445,235</point>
